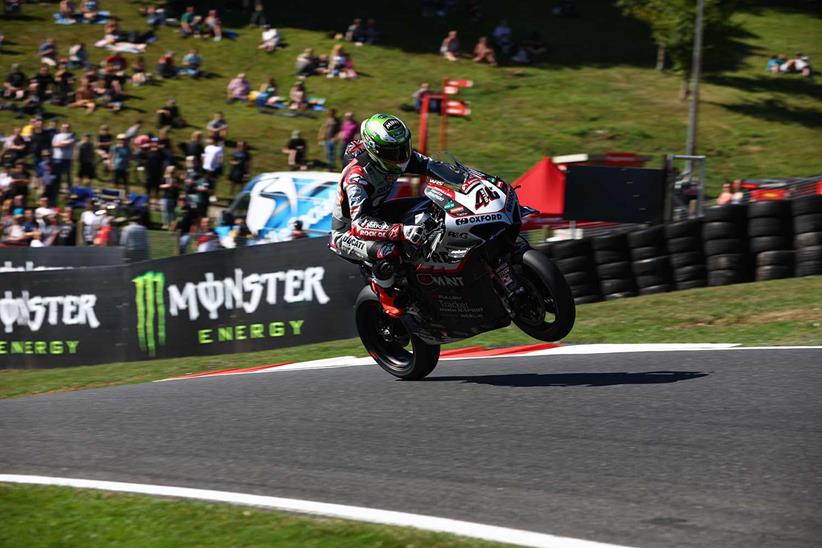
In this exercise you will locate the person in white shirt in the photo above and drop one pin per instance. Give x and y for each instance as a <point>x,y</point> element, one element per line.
<point>62,152</point>
<point>43,210</point>
<point>270,39</point>
<point>90,222</point>
<point>213,160</point>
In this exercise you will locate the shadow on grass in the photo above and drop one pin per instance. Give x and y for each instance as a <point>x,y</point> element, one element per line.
<point>775,110</point>
<point>790,84</point>
<point>573,379</point>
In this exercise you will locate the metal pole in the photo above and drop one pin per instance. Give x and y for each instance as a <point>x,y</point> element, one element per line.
<point>690,147</point>
<point>443,117</point>
<point>423,142</point>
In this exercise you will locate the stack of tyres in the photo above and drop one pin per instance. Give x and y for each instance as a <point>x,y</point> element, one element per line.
<point>684,243</point>
<point>649,260</point>
<point>613,265</point>
<point>770,236</point>
<point>574,260</point>
<point>724,239</point>
<point>807,225</point>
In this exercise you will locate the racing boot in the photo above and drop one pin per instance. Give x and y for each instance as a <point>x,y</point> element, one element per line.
<point>389,299</point>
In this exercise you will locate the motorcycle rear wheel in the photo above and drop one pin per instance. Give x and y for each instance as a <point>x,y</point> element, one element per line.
<point>550,314</point>
<point>387,340</point>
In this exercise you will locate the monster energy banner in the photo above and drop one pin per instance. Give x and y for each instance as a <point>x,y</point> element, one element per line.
<point>241,300</point>
<point>25,259</point>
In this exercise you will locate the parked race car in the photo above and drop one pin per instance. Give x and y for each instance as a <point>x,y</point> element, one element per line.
<point>473,273</point>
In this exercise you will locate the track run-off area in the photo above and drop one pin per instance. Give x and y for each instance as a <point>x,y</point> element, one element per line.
<point>679,445</point>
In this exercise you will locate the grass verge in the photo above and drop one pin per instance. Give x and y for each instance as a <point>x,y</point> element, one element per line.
<point>62,516</point>
<point>780,312</point>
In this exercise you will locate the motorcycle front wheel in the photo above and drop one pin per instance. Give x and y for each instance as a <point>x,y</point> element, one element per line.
<point>388,341</point>
<point>549,313</point>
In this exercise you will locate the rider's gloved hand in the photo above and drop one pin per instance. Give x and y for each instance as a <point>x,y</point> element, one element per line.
<point>413,234</point>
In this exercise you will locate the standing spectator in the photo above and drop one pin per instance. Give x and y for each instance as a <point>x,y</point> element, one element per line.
<point>39,140</point>
<point>240,166</point>
<point>371,31</point>
<point>194,149</point>
<point>503,37</point>
<point>740,195</point>
<point>258,15</point>
<point>90,221</point>
<point>297,149</point>
<point>213,25</point>
<point>207,239</point>
<point>85,158</point>
<point>349,129</point>
<point>14,146</point>
<point>726,196</point>
<point>134,238</point>
<point>187,213</point>
<point>213,161</point>
<point>218,127</point>
<point>66,230</point>
<point>20,180</point>
<point>171,193</point>
<point>48,52</point>
<point>165,144</point>
<point>104,141</point>
<point>63,152</point>
<point>450,47</point>
<point>192,63</point>
<point>48,185</point>
<point>484,52</point>
<point>269,40</point>
<point>155,164</point>
<point>120,159</point>
<point>134,130</point>
<point>297,232</point>
<point>189,23</point>
<point>328,136</point>
<point>238,89</point>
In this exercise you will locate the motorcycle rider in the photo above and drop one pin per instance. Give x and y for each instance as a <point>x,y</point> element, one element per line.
<point>375,162</point>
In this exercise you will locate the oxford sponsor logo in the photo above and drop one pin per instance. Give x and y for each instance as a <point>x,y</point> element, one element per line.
<point>480,219</point>
<point>35,312</point>
<point>440,280</point>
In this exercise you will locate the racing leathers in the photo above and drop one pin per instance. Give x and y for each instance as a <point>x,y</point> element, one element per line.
<point>358,232</point>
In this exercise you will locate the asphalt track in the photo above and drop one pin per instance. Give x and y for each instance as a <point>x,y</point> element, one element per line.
<point>710,448</point>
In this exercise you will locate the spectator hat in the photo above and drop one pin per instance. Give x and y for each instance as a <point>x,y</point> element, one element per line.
<point>121,136</point>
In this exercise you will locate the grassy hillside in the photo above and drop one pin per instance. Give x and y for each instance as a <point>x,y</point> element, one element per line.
<point>595,89</point>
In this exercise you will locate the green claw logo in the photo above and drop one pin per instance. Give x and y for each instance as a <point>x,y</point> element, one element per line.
<point>149,298</point>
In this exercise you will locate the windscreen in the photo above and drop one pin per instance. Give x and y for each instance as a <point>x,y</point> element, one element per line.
<point>449,174</point>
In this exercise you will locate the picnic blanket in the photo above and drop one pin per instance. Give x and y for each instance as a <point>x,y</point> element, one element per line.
<point>102,18</point>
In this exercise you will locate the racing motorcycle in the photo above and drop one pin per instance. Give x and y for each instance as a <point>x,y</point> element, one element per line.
<point>472,273</point>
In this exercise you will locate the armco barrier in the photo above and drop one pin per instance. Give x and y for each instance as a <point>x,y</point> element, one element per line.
<point>15,259</point>
<point>242,300</point>
<point>723,247</point>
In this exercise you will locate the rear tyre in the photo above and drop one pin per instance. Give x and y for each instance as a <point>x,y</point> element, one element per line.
<point>389,342</point>
<point>549,312</point>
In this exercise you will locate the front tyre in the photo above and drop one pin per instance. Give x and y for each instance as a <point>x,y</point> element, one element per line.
<point>548,314</point>
<point>389,342</point>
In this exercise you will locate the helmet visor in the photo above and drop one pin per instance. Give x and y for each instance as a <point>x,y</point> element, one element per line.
<point>396,154</point>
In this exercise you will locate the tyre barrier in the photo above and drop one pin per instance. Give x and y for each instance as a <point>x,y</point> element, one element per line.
<point>732,243</point>
<point>612,258</point>
<point>807,226</point>
<point>725,243</point>
<point>575,259</point>
<point>649,260</point>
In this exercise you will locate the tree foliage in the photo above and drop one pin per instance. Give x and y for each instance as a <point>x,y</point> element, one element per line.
<point>672,25</point>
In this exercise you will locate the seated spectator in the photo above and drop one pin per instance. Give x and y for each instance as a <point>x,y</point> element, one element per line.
<point>32,104</point>
<point>433,103</point>
<point>268,88</point>
<point>84,98</point>
<point>207,239</point>
<point>340,64</point>
<point>450,47</point>
<point>169,115</point>
<point>306,63</point>
<point>16,83</point>
<point>775,62</point>
<point>322,65</point>
<point>238,89</point>
<point>484,52</point>
<point>297,149</point>
<point>78,56</point>
<point>798,65</point>
<point>192,63</point>
<point>44,83</point>
<point>218,127</point>
<point>726,195</point>
<point>270,39</point>
<point>213,25</point>
<point>298,96</point>
<point>68,9</point>
<point>91,10</point>
<point>155,16</point>
<point>138,72</point>
<point>107,96</point>
<point>503,37</point>
<point>258,15</point>
<point>48,52</point>
<point>356,31</point>
<point>63,85</point>
<point>165,65</point>
<point>534,45</point>
<point>190,23</point>
<point>371,31</point>
<point>116,61</point>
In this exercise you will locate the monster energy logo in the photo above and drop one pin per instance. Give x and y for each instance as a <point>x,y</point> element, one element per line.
<point>149,298</point>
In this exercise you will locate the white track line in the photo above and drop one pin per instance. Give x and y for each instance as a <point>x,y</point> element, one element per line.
<point>340,511</point>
